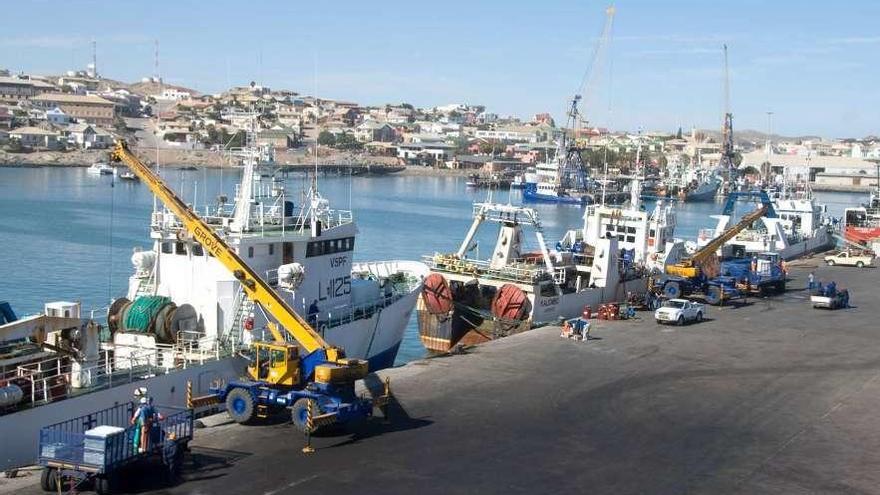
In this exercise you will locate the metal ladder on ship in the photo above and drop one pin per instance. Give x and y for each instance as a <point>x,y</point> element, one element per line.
<point>243,309</point>
<point>145,288</point>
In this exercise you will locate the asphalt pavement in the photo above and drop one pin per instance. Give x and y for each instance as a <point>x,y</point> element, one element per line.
<point>769,397</point>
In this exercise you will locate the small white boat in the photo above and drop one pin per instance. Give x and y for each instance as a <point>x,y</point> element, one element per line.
<point>128,175</point>
<point>100,168</point>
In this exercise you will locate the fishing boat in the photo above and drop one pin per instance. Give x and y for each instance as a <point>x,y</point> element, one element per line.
<point>305,251</point>
<point>185,319</point>
<point>861,225</point>
<point>564,178</point>
<point>468,300</point>
<point>701,189</point>
<point>100,168</point>
<point>794,225</point>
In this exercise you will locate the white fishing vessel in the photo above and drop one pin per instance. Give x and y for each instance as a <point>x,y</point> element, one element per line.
<point>645,238</point>
<point>304,250</point>
<point>186,318</point>
<point>468,300</point>
<point>794,226</point>
<point>100,168</point>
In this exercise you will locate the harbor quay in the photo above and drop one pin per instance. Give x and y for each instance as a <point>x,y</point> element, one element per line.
<point>768,396</point>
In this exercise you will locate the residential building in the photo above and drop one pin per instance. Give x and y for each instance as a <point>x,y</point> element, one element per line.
<point>56,116</point>
<point>90,109</point>
<point>174,94</point>
<point>371,131</point>
<point>35,137</point>
<point>543,119</point>
<point>79,84</point>
<point>425,153</point>
<point>86,136</point>
<point>6,118</point>
<point>524,133</point>
<point>468,162</point>
<point>279,137</point>
<point>16,89</point>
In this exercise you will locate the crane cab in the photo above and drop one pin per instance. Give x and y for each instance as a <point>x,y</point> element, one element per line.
<point>275,363</point>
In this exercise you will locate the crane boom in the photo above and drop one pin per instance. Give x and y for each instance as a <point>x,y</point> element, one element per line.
<point>254,286</point>
<point>690,267</point>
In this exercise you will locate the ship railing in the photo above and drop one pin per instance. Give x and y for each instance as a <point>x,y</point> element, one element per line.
<point>56,378</point>
<point>520,272</point>
<point>348,314</point>
<point>334,218</point>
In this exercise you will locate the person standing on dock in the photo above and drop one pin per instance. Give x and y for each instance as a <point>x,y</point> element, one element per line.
<point>812,281</point>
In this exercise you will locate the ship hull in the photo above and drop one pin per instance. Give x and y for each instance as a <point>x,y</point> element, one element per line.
<point>531,195</point>
<point>862,235</point>
<point>703,194</point>
<point>466,326</point>
<point>20,430</point>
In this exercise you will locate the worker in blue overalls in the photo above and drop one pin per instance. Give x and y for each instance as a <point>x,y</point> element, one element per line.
<point>143,419</point>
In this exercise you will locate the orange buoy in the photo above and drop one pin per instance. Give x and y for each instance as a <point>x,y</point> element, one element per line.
<point>436,294</point>
<point>511,303</point>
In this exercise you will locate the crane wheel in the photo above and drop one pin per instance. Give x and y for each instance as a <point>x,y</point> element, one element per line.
<point>299,414</point>
<point>240,405</point>
<point>672,290</point>
<point>714,296</point>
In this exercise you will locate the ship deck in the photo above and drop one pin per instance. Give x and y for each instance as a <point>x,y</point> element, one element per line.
<point>770,397</point>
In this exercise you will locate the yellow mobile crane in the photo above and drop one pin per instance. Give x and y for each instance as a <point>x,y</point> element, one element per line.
<point>282,373</point>
<point>691,275</point>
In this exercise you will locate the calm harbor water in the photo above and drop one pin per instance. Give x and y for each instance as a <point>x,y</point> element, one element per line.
<point>68,235</point>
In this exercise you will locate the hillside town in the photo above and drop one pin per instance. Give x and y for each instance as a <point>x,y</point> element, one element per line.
<point>81,111</point>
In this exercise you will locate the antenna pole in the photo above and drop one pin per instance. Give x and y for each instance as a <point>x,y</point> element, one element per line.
<point>94,58</point>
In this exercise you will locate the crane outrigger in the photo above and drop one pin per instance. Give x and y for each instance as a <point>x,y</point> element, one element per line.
<point>298,366</point>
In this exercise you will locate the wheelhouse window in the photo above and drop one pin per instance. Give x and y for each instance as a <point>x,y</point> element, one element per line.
<point>321,248</point>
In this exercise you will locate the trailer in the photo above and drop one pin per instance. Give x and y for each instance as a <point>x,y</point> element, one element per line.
<point>93,448</point>
<point>761,275</point>
<point>829,297</point>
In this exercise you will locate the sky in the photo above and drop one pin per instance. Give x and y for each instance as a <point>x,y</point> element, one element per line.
<point>815,65</point>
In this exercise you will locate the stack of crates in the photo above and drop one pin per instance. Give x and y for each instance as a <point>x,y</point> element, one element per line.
<point>98,442</point>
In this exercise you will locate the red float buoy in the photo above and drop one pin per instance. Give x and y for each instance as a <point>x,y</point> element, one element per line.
<point>436,294</point>
<point>511,303</point>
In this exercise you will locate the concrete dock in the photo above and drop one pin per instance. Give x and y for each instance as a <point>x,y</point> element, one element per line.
<point>770,397</point>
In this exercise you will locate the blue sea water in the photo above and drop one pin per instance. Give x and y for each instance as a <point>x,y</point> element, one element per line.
<point>68,235</point>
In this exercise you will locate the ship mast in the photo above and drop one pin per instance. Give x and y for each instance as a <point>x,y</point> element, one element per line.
<point>727,164</point>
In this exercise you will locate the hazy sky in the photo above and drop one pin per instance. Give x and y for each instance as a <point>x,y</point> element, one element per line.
<point>815,64</point>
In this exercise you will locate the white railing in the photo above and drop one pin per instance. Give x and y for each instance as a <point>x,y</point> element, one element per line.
<point>52,379</point>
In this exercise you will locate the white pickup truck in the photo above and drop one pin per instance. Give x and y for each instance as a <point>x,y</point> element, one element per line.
<point>848,258</point>
<point>679,311</point>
